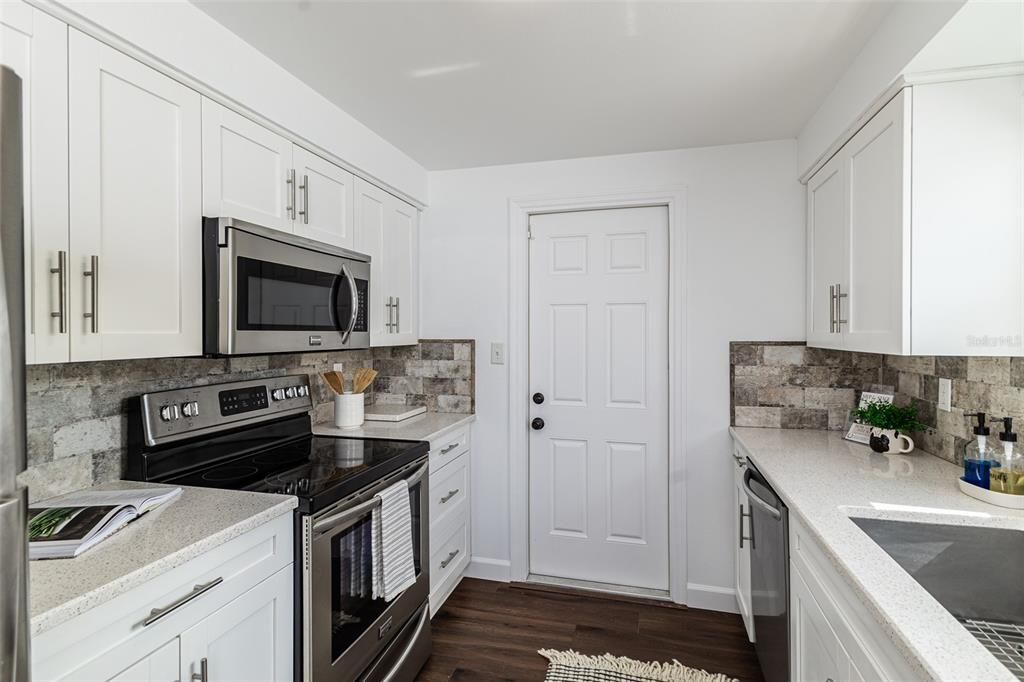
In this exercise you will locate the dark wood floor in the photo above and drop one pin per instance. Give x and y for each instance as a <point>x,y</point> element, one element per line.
<point>492,631</point>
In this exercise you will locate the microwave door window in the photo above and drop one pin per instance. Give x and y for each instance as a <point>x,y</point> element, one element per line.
<point>276,297</point>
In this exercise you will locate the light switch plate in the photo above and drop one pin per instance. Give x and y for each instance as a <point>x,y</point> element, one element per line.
<point>945,395</point>
<point>497,353</point>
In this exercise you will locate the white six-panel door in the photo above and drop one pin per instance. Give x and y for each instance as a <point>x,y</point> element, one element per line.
<point>599,355</point>
<point>135,200</point>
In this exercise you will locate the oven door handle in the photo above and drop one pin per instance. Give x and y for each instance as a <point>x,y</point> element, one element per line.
<point>342,517</point>
<point>355,303</point>
<point>397,667</point>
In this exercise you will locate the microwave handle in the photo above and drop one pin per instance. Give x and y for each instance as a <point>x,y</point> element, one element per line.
<point>355,302</point>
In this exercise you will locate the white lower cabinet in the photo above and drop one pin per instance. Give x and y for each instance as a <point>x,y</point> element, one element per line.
<point>231,607</point>
<point>450,545</point>
<point>833,638</point>
<point>741,522</point>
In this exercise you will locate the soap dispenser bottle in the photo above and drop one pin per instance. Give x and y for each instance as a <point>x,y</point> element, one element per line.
<point>980,458</point>
<point>1009,476</point>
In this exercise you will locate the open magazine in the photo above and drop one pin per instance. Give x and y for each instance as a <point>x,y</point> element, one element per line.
<point>66,526</point>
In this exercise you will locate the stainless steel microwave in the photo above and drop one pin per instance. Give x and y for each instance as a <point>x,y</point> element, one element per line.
<point>267,291</point>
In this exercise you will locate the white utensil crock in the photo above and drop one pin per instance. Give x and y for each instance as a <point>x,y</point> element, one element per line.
<point>348,410</point>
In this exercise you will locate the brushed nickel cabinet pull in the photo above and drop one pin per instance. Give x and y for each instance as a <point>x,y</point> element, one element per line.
<point>198,590</point>
<point>451,555</point>
<point>62,291</point>
<point>839,308</point>
<point>450,495</point>
<point>305,199</point>
<point>445,451</point>
<point>94,315</point>
<point>398,313</point>
<point>204,671</point>
<point>290,191</point>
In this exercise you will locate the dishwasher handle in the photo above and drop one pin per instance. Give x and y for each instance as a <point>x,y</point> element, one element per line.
<point>756,499</point>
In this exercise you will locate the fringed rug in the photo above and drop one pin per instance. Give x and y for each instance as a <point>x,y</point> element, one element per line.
<point>569,666</point>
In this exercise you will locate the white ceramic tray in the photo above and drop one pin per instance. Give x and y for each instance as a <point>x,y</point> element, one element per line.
<point>991,496</point>
<point>392,413</point>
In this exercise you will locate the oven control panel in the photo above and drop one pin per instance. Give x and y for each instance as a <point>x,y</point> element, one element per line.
<point>186,412</point>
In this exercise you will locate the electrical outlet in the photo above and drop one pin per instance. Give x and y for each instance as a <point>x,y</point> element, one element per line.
<point>339,367</point>
<point>497,353</point>
<point>945,395</point>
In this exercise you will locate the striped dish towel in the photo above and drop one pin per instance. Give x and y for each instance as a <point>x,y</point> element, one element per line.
<point>393,568</point>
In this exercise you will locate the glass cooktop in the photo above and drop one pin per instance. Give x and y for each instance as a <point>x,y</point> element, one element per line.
<point>318,470</point>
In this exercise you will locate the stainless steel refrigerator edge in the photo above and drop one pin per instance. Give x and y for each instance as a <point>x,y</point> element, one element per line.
<point>14,659</point>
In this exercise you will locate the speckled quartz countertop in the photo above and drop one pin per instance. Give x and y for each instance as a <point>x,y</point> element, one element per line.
<point>426,426</point>
<point>825,480</point>
<point>166,537</point>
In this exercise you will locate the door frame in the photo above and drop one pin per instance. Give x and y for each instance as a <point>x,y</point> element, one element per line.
<point>520,210</point>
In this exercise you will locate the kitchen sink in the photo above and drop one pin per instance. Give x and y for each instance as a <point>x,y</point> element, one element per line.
<point>973,572</point>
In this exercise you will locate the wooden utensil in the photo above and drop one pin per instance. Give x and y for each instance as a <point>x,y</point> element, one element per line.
<point>336,380</point>
<point>364,378</point>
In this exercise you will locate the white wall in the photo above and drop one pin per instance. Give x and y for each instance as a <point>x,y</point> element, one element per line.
<point>745,272</point>
<point>982,32</point>
<point>906,29</point>
<point>181,35</point>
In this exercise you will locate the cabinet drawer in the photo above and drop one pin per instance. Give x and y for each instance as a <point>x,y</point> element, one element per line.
<point>449,489</point>
<point>447,448</point>
<point>449,556</point>
<point>115,633</point>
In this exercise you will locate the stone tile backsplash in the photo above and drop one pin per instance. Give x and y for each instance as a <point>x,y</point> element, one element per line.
<point>76,411</point>
<point>787,385</point>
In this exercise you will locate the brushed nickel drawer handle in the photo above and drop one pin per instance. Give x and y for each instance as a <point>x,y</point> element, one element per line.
<point>197,591</point>
<point>445,451</point>
<point>94,273</point>
<point>451,555</point>
<point>204,671</point>
<point>450,495</point>
<point>62,290</point>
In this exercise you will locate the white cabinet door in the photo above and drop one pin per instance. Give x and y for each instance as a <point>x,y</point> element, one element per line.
<point>247,170</point>
<point>877,286</point>
<point>401,246</point>
<point>249,639</point>
<point>324,205</point>
<point>35,46</point>
<point>124,665</point>
<point>163,665</point>
<point>741,523</point>
<point>371,211</point>
<point>816,654</point>
<point>135,208</point>
<point>826,236</point>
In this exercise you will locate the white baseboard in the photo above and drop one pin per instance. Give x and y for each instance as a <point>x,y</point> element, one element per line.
<point>499,570</point>
<point>711,597</point>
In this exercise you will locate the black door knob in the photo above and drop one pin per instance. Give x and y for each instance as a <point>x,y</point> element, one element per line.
<point>537,424</point>
<point>538,398</point>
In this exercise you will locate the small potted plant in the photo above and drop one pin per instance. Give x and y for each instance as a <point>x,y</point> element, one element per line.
<point>890,424</point>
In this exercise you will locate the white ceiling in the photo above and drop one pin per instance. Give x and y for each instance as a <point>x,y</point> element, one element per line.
<point>462,84</point>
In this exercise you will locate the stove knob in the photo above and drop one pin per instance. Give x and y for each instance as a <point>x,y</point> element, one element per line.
<point>169,413</point>
<point>190,409</point>
<point>277,394</point>
<point>290,392</point>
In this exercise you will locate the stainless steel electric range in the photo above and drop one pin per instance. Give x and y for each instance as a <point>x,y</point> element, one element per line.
<point>256,435</point>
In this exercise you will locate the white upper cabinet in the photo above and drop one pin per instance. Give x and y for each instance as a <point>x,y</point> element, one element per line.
<point>247,170</point>
<point>35,46</point>
<point>916,226</point>
<point>135,259</point>
<point>401,256</point>
<point>387,230</point>
<point>324,208</point>
<point>371,205</point>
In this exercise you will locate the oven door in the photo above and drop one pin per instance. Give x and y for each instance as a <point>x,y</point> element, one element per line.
<point>277,297</point>
<point>345,630</point>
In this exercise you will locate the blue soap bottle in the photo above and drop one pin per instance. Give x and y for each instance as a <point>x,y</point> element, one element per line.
<point>980,454</point>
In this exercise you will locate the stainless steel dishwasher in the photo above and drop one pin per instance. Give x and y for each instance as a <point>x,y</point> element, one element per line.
<point>769,575</point>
